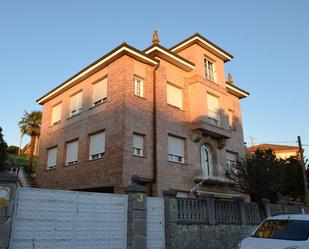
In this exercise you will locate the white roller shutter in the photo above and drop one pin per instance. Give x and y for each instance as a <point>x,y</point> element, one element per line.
<point>213,107</point>
<point>52,157</point>
<point>76,104</point>
<point>176,146</point>
<point>138,145</point>
<point>231,156</point>
<point>72,152</point>
<point>99,91</point>
<point>174,96</point>
<point>56,114</point>
<point>97,144</point>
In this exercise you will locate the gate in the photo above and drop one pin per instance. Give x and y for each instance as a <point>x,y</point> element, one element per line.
<point>54,219</point>
<point>155,223</point>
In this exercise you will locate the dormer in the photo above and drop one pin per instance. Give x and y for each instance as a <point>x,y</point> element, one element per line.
<point>208,58</point>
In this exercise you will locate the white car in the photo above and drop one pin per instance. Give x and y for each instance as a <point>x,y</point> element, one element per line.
<point>288,231</point>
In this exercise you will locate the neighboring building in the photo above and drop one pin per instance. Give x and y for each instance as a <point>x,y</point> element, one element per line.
<point>166,115</point>
<point>281,151</point>
<point>26,149</point>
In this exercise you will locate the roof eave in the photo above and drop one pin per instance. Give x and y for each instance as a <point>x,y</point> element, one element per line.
<point>123,49</point>
<point>238,92</point>
<point>175,59</point>
<point>205,43</point>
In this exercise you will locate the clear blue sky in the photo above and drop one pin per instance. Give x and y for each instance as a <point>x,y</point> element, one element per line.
<point>42,43</point>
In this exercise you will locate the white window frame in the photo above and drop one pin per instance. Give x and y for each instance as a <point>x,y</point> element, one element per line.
<point>138,151</point>
<point>96,102</point>
<point>230,164</point>
<point>55,122</point>
<point>138,87</point>
<point>49,150</point>
<point>75,110</point>
<point>210,69</point>
<point>99,153</point>
<point>231,119</point>
<point>173,101</point>
<point>74,162</point>
<point>173,157</point>
<point>206,161</point>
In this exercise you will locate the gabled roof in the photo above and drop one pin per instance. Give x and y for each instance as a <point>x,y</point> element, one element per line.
<point>273,147</point>
<point>166,54</point>
<point>97,65</point>
<point>238,92</point>
<point>205,43</point>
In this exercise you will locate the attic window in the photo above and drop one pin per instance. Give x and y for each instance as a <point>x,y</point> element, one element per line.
<point>209,70</point>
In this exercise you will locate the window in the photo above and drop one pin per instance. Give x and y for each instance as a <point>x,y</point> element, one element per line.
<point>231,119</point>
<point>56,114</point>
<point>72,153</point>
<point>283,230</point>
<point>213,109</point>
<point>206,161</point>
<point>99,92</point>
<point>97,146</point>
<point>176,149</point>
<point>51,158</point>
<point>231,160</point>
<point>76,104</point>
<point>209,70</point>
<point>138,145</point>
<point>174,96</point>
<point>138,87</point>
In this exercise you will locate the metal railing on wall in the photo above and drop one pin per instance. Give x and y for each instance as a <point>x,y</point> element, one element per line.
<point>209,210</point>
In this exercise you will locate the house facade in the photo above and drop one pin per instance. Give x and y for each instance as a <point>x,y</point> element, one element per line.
<point>281,151</point>
<point>166,115</point>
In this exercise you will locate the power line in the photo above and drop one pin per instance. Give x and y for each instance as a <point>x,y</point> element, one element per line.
<point>277,142</point>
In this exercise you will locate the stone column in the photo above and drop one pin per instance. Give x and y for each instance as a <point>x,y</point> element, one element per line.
<point>9,182</point>
<point>210,207</point>
<point>137,216</point>
<point>241,209</point>
<point>171,217</point>
<point>266,204</point>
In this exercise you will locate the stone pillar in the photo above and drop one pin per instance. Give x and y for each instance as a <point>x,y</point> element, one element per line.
<point>171,217</point>
<point>241,209</point>
<point>210,207</point>
<point>285,208</point>
<point>266,204</point>
<point>8,181</point>
<point>137,216</point>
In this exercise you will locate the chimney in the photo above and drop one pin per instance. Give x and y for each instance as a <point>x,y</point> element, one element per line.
<point>155,37</point>
<point>229,79</point>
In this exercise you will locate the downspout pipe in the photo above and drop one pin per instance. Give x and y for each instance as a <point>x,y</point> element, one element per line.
<point>155,166</point>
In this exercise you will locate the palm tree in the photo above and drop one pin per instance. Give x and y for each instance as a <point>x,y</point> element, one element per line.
<point>30,124</point>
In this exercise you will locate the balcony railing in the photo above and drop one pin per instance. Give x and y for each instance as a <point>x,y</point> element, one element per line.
<point>214,118</point>
<point>200,175</point>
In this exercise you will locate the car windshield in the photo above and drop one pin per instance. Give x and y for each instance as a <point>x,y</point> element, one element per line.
<point>283,229</point>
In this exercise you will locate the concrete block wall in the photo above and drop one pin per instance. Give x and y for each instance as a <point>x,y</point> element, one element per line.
<point>6,212</point>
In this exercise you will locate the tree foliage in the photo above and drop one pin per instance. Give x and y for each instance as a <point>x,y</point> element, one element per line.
<point>3,149</point>
<point>262,175</point>
<point>30,124</point>
<point>12,149</point>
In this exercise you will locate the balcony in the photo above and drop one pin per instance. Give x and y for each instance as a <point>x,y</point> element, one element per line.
<point>201,177</point>
<point>211,126</point>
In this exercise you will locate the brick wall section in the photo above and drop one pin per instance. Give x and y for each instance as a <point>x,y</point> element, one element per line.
<point>109,116</point>
<point>123,114</point>
<point>138,118</point>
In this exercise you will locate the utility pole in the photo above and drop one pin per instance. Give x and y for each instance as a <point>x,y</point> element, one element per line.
<point>301,152</point>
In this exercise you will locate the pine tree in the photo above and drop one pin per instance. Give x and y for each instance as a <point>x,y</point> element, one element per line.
<point>3,149</point>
